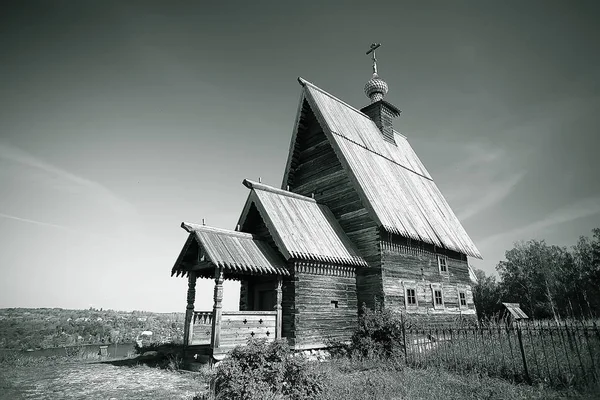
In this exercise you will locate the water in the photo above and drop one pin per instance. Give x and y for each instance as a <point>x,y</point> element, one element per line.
<point>119,350</point>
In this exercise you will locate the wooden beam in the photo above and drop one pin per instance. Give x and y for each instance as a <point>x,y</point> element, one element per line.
<point>279,297</point>
<point>217,309</point>
<point>189,310</point>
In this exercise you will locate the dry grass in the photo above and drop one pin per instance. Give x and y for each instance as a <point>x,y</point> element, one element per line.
<point>349,381</point>
<point>104,381</point>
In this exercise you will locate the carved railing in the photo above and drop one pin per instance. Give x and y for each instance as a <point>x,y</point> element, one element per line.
<point>236,328</point>
<point>201,327</point>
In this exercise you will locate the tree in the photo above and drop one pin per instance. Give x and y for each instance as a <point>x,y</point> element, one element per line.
<point>553,281</point>
<point>585,273</point>
<point>486,295</point>
<point>531,275</point>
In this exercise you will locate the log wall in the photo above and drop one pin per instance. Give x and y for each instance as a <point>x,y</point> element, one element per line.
<point>411,264</point>
<point>316,169</point>
<point>325,304</point>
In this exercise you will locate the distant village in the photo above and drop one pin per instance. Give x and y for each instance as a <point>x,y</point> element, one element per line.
<point>41,328</point>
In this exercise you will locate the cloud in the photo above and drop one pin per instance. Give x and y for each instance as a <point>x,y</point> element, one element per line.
<point>579,209</point>
<point>97,190</point>
<point>31,221</point>
<point>493,194</point>
<point>483,178</point>
<point>63,228</point>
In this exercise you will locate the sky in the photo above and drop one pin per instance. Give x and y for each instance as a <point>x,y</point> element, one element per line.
<point>121,119</point>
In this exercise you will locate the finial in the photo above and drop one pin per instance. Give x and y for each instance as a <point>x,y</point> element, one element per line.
<point>376,88</point>
<point>374,46</point>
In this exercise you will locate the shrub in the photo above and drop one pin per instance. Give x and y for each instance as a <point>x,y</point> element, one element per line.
<point>263,370</point>
<point>379,334</point>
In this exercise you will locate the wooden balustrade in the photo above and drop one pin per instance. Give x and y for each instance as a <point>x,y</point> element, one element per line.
<point>236,328</point>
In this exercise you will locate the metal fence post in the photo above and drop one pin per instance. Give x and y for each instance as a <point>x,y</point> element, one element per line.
<point>525,370</point>
<point>403,322</point>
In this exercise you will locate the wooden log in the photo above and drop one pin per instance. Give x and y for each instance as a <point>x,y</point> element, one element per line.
<point>278,308</point>
<point>217,308</point>
<point>189,310</point>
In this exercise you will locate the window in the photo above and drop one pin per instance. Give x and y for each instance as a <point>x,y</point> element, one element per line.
<point>443,264</point>
<point>438,297</point>
<point>411,298</point>
<point>463,299</point>
<point>334,304</point>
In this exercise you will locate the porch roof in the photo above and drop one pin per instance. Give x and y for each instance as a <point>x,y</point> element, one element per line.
<point>236,252</point>
<point>301,228</point>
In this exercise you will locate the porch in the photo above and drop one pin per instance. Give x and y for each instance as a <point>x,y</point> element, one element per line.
<point>221,254</point>
<point>236,327</point>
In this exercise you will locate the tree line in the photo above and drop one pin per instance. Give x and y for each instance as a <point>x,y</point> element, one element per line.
<point>548,281</point>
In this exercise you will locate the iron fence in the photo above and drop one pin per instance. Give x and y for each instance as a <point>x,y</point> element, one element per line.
<point>557,353</point>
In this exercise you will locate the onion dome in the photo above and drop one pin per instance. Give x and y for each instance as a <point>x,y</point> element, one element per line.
<point>376,88</point>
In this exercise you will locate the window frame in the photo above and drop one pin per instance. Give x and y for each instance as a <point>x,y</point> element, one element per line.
<point>439,261</point>
<point>410,286</point>
<point>460,304</point>
<point>436,287</point>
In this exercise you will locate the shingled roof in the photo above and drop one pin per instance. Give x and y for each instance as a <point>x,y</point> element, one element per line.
<point>300,227</point>
<point>236,252</point>
<point>391,181</point>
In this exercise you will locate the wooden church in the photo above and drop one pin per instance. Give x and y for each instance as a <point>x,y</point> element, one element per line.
<point>357,219</point>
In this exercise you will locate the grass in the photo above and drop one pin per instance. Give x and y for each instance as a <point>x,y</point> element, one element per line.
<point>78,377</point>
<point>558,358</point>
<point>352,380</point>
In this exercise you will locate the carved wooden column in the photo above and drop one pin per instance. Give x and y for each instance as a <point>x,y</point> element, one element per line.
<point>217,309</point>
<point>189,310</point>
<point>279,298</point>
<point>244,286</point>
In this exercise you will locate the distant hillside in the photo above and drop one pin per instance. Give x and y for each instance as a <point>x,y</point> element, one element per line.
<point>35,328</point>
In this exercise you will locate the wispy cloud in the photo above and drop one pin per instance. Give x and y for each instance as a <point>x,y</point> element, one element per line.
<point>41,223</point>
<point>486,178</point>
<point>493,194</point>
<point>583,208</point>
<point>63,228</point>
<point>100,192</point>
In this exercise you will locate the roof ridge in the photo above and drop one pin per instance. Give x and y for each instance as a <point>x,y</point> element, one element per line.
<point>304,82</point>
<point>261,186</point>
<point>190,227</point>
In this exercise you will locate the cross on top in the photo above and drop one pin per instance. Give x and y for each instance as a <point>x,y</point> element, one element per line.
<point>372,49</point>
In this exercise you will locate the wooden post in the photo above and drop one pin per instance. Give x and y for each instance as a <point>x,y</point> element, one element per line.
<point>189,310</point>
<point>279,297</point>
<point>217,310</point>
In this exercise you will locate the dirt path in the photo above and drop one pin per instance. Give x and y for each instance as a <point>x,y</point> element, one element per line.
<point>96,381</point>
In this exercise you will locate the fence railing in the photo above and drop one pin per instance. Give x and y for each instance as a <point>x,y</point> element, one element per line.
<point>559,354</point>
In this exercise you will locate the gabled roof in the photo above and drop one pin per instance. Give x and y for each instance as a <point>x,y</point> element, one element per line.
<point>391,181</point>
<point>301,227</point>
<point>515,310</point>
<point>236,252</point>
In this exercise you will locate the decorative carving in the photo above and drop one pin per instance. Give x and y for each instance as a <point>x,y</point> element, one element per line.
<point>189,309</point>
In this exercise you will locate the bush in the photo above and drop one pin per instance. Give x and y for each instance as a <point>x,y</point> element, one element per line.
<point>379,334</point>
<point>263,370</point>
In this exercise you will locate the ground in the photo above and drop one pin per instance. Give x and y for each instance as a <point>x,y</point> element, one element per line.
<point>93,380</point>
